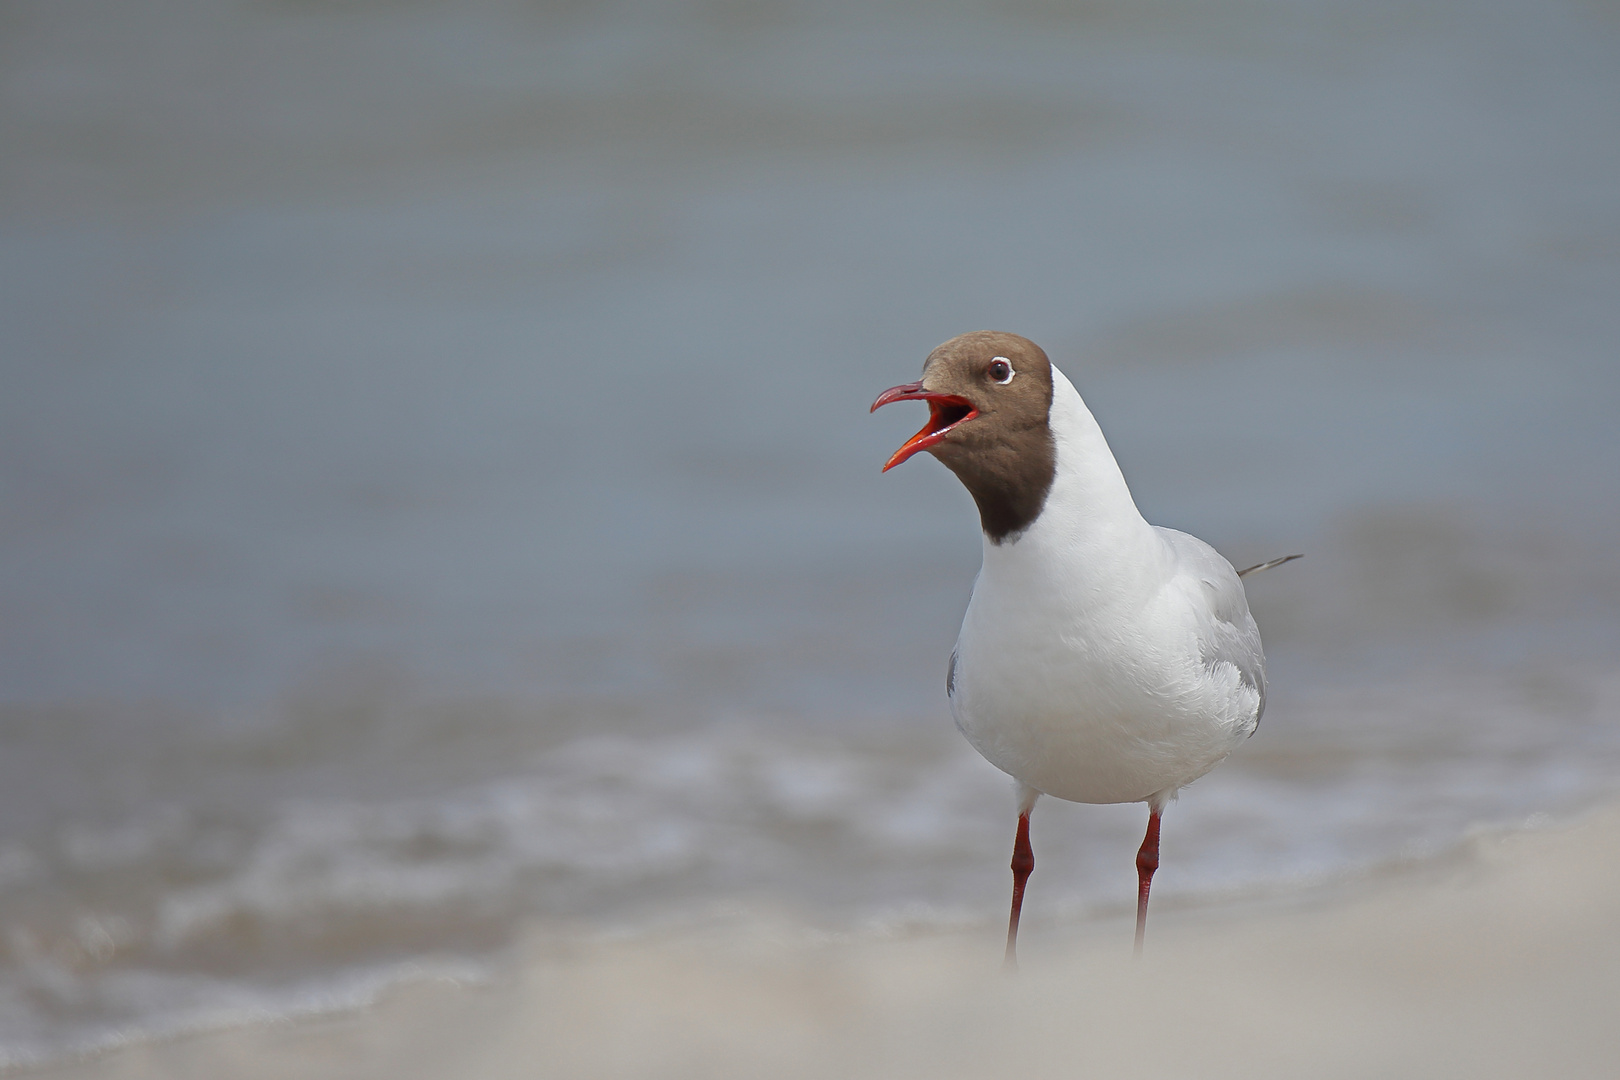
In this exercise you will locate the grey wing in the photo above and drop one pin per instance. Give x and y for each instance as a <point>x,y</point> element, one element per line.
<point>1227,631</point>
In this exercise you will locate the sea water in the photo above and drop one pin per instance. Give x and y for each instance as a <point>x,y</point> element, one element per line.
<point>438,498</point>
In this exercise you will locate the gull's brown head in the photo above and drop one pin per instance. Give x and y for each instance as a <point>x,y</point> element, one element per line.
<point>989,396</point>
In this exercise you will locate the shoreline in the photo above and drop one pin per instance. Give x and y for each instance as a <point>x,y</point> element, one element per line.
<point>1499,960</point>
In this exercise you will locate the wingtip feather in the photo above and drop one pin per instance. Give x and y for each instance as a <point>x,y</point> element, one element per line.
<point>1255,569</point>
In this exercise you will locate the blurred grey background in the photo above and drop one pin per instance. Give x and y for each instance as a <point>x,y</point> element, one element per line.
<point>437,493</point>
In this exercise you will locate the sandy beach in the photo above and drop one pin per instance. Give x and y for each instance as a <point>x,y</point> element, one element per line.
<point>1498,961</point>
<point>454,621</point>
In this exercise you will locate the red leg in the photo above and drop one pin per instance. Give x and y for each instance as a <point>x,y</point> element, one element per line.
<point>1147,861</point>
<point>1023,861</point>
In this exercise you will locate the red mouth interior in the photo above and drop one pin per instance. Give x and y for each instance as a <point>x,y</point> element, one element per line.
<point>945,411</point>
<point>945,414</point>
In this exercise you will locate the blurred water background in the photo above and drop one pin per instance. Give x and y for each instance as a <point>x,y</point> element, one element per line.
<point>437,496</point>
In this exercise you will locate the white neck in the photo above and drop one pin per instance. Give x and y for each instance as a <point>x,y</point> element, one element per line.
<point>1089,522</point>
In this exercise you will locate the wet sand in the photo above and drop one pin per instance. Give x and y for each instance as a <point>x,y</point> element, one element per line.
<point>1501,960</point>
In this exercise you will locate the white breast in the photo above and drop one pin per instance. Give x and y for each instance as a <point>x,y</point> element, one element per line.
<point>1101,659</point>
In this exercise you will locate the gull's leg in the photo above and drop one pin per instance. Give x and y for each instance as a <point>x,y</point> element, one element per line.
<point>1147,861</point>
<point>1023,861</point>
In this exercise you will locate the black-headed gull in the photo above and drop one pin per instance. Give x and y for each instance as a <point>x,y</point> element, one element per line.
<point>1101,659</point>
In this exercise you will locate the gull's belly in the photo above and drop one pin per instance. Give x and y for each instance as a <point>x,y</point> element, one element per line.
<point>1094,719</point>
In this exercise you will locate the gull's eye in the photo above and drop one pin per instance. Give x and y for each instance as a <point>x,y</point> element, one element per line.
<point>1001,370</point>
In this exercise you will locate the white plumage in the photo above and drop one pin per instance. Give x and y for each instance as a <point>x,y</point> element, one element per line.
<point>1103,659</point>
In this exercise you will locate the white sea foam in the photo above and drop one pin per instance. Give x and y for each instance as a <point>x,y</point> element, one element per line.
<point>324,900</point>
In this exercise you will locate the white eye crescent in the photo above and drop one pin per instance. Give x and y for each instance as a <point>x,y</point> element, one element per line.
<point>1001,370</point>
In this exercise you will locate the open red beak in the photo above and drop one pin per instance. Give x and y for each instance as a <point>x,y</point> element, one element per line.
<point>945,411</point>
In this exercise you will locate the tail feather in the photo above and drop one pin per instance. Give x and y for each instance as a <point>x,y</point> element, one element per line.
<point>1268,565</point>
